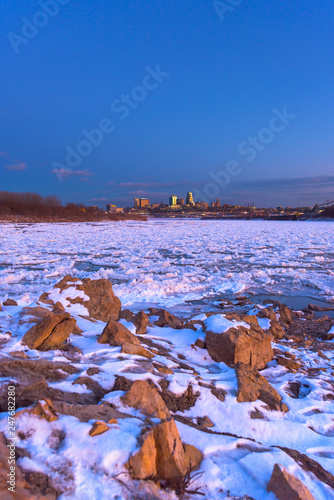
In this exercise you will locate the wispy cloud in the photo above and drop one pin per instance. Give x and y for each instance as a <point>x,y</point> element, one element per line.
<point>3,154</point>
<point>67,172</point>
<point>16,167</point>
<point>148,185</point>
<point>144,193</point>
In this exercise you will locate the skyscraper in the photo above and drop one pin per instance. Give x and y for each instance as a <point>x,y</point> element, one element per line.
<point>136,203</point>
<point>190,199</point>
<point>173,200</point>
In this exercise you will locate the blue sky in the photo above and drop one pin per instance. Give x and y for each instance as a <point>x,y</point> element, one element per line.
<point>222,77</point>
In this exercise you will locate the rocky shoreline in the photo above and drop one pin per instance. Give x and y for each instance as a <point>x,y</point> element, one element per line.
<point>147,403</point>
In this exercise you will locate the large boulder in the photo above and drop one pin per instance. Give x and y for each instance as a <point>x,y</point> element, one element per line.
<point>251,346</point>
<point>162,455</point>
<point>50,332</point>
<point>116,334</point>
<point>97,297</point>
<point>144,396</point>
<point>253,386</point>
<point>286,486</point>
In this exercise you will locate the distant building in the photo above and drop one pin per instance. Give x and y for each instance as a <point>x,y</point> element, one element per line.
<point>173,200</point>
<point>180,201</point>
<point>141,203</point>
<point>155,206</point>
<point>216,204</point>
<point>111,208</point>
<point>144,203</point>
<point>201,205</point>
<point>190,199</point>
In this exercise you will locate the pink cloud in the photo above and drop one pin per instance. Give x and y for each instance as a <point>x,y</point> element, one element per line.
<point>16,167</point>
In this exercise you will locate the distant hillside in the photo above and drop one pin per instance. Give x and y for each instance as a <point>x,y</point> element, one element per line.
<point>32,207</point>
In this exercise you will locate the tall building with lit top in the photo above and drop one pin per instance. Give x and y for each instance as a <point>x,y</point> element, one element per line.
<point>173,200</point>
<point>190,199</point>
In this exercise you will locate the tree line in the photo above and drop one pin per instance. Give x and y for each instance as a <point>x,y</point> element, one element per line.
<point>38,207</point>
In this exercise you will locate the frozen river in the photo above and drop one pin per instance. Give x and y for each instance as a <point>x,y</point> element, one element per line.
<point>170,262</point>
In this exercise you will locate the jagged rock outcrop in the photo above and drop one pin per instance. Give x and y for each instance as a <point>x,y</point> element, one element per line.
<point>50,332</point>
<point>144,396</point>
<point>253,386</point>
<point>141,322</point>
<point>286,486</point>
<point>168,319</point>
<point>162,455</point>
<point>99,298</point>
<point>250,346</point>
<point>116,334</point>
<point>276,330</point>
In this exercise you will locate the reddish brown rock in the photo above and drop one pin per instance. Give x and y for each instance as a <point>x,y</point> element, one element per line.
<point>98,428</point>
<point>286,486</point>
<point>290,364</point>
<point>200,343</point>
<point>179,402</point>
<point>162,455</point>
<point>144,396</point>
<point>204,421</point>
<point>250,346</point>
<point>43,409</point>
<point>163,369</point>
<point>9,302</point>
<point>141,322</point>
<point>276,330</point>
<point>59,334</point>
<point>101,304</point>
<point>285,314</point>
<point>250,320</point>
<point>267,313</point>
<point>136,350</point>
<point>168,319</point>
<point>253,386</point>
<point>33,314</point>
<point>127,315</point>
<point>50,332</point>
<point>116,334</point>
<point>85,413</point>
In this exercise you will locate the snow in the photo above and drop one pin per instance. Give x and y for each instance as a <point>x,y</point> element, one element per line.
<point>168,263</point>
<point>217,323</point>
